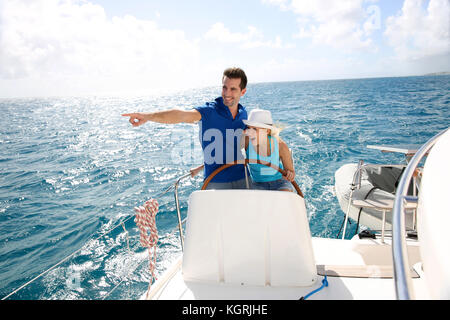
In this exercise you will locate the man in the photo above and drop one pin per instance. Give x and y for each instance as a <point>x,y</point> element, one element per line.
<point>221,128</point>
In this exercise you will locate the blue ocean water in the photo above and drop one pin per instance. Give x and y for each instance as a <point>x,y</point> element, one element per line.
<point>72,169</point>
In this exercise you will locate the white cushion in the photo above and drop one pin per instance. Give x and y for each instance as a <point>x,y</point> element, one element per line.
<point>248,237</point>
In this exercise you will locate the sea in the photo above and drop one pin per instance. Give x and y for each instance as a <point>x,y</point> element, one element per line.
<point>72,169</point>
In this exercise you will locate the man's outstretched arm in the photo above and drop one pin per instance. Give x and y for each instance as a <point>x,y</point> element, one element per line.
<point>167,116</point>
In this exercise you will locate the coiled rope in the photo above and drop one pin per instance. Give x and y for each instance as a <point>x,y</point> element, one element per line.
<point>145,220</point>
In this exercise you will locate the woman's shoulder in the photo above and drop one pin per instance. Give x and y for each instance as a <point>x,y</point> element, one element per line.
<point>282,144</point>
<point>278,139</point>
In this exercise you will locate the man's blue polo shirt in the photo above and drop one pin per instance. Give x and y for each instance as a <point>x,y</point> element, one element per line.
<point>220,137</point>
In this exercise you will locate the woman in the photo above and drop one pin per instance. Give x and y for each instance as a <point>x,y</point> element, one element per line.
<point>263,143</point>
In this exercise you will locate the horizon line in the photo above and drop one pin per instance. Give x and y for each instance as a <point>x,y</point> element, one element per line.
<point>172,91</point>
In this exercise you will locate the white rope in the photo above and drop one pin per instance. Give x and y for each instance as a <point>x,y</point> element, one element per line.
<point>145,220</point>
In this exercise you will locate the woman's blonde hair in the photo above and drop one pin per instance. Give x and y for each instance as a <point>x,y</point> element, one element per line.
<point>278,127</point>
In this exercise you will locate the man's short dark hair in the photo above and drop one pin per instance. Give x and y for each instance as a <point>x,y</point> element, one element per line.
<point>236,73</point>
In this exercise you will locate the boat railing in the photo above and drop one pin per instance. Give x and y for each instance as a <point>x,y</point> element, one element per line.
<point>175,187</point>
<point>356,184</point>
<point>177,204</point>
<point>403,283</point>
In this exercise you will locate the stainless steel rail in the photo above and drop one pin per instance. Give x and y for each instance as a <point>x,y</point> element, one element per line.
<point>177,204</point>
<point>356,184</point>
<point>180,223</point>
<point>403,283</point>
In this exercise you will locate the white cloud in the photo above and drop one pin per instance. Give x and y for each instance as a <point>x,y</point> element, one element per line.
<point>220,33</point>
<point>253,38</point>
<point>283,4</point>
<point>75,39</point>
<point>344,24</point>
<point>417,33</point>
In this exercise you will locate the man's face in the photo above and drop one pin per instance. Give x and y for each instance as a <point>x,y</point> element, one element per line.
<point>231,91</point>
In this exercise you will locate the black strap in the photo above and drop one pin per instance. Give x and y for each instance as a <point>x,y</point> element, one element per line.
<point>360,209</point>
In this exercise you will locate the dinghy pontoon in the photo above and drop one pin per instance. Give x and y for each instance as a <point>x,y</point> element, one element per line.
<point>366,192</point>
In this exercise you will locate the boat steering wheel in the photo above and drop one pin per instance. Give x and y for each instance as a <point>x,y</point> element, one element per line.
<point>245,162</point>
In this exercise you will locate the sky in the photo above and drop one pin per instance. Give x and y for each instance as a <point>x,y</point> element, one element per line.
<point>142,47</point>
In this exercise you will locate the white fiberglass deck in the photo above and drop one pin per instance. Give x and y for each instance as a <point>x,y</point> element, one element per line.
<point>253,245</point>
<point>349,257</point>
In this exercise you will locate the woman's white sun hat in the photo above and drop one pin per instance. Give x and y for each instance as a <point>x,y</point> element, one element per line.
<point>260,118</point>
